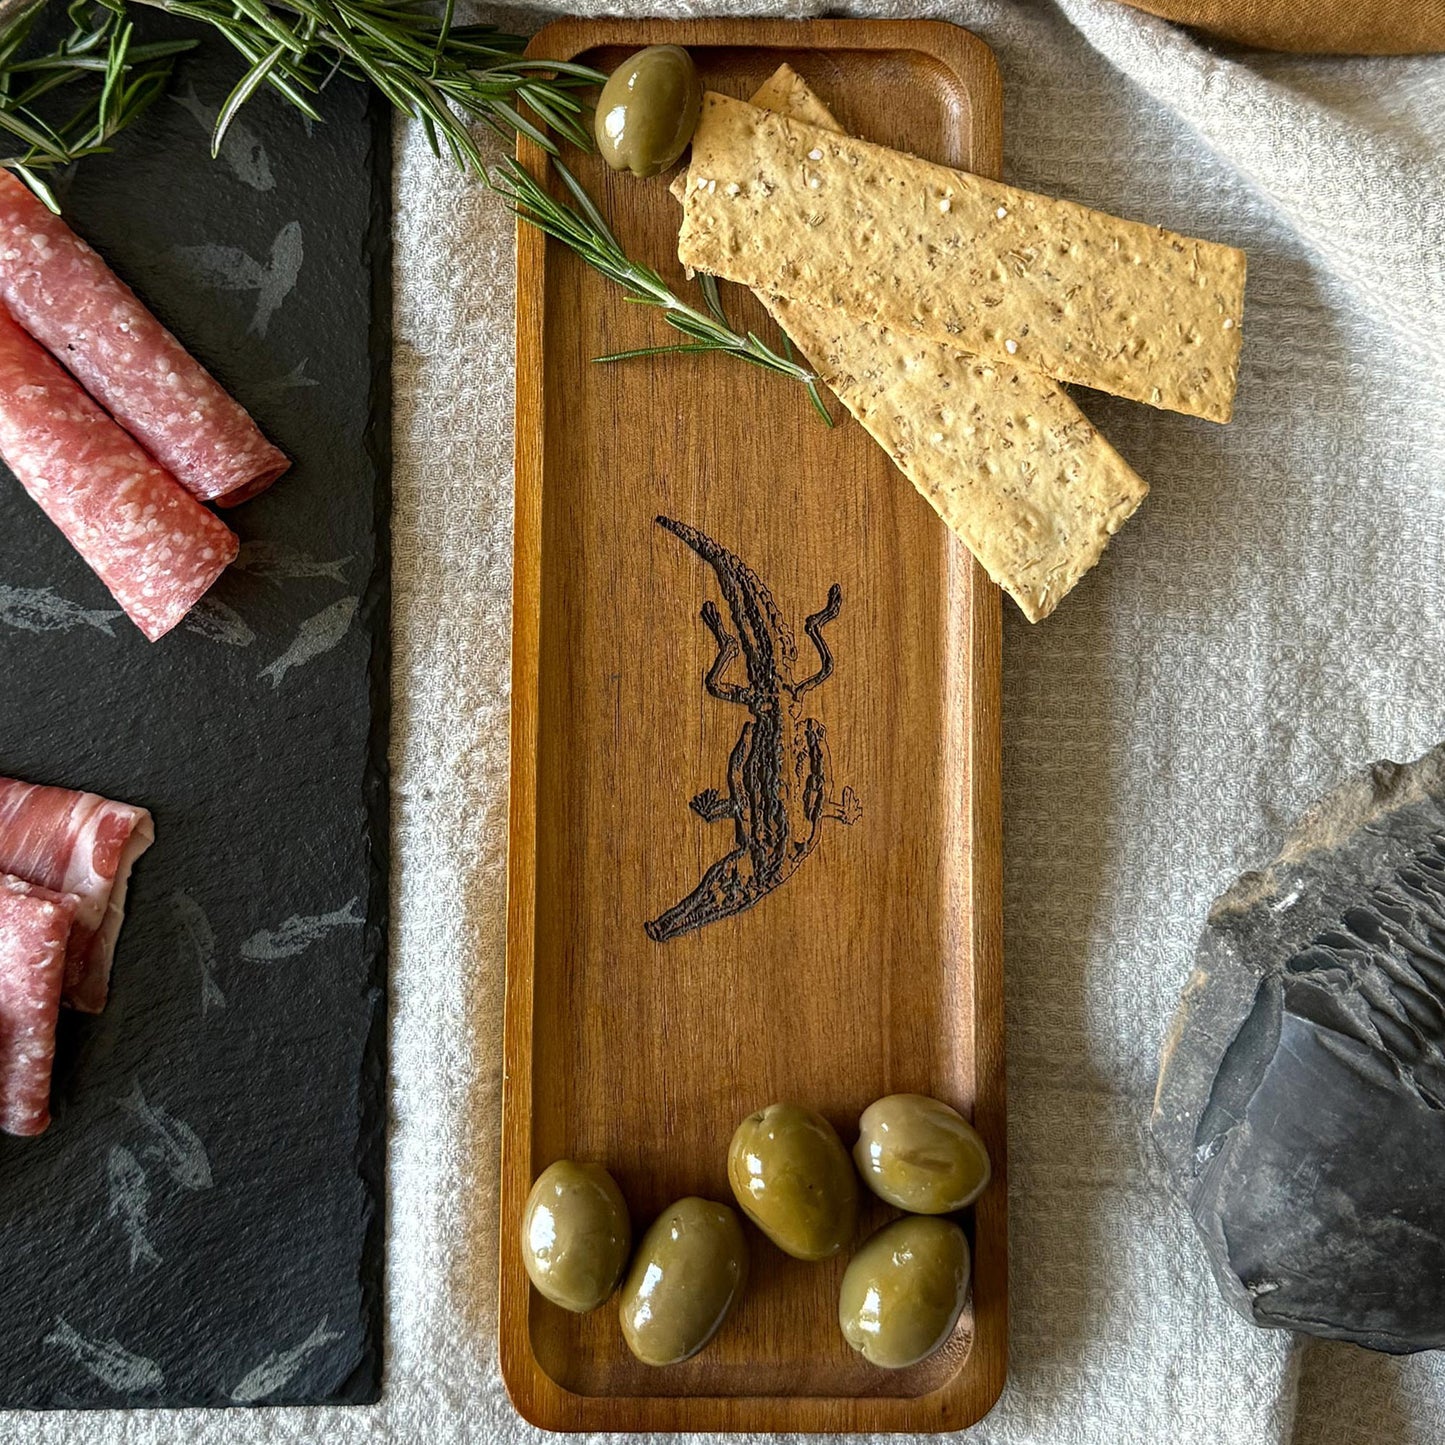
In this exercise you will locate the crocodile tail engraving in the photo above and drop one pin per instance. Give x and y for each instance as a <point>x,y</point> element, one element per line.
<point>723,890</point>
<point>780,772</point>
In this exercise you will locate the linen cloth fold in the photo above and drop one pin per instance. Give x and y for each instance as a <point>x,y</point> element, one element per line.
<point>1273,617</point>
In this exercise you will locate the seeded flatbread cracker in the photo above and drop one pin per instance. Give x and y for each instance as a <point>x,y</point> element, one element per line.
<point>1003,455</point>
<point>823,218</point>
<point>785,93</point>
<point>1000,452</point>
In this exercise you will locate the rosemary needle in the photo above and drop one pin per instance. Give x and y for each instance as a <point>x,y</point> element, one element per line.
<point>123,79</point>
<point>442,74</point>
<point>582,228</point>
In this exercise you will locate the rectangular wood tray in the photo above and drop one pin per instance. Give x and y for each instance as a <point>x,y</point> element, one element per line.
<point>878,968</point>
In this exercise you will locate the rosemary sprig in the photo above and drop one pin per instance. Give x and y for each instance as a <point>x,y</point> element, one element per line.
<point>124,79</point>
<point>583,229</point>
<point>443,75</point>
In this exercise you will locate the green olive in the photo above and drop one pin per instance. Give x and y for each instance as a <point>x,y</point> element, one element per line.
<point>689,1271</point>
<point>575,1235</point>
<point>794,1180</point>
<point>904,1291</point>
<point>921,1155</point>
<point>648,110</point>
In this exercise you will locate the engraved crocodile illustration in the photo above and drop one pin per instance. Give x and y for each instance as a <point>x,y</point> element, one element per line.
<point>780,774</point>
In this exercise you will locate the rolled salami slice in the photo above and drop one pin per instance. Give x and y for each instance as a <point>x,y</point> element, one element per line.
<point>66,297</point>
<point>153,545</point>
<point>34,926</point>
<point>82,844</point>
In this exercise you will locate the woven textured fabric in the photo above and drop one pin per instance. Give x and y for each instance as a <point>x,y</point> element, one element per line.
<point>1273,617</point>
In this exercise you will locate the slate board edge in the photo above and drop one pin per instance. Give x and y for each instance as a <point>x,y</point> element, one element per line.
<point>363,1387</point>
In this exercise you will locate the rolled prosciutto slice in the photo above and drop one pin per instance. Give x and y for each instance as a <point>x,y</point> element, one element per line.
<point>34,926</point>
<point>66,297</point>
<point>82,844</point>
<point>153,545</point>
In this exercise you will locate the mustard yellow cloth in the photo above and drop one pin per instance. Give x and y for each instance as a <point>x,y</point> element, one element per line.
<point>1327,27</point>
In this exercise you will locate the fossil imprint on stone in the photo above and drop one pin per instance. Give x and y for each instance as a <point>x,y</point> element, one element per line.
<point>1301,1100</point>
<point>780,772</point>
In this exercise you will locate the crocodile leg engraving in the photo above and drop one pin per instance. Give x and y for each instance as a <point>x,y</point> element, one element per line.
<point>814,626</point>
<point>727,650</point>
<point>780,771</point>
<point>712,808</point>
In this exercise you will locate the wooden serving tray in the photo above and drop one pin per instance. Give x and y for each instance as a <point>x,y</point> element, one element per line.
<point>878,967</point>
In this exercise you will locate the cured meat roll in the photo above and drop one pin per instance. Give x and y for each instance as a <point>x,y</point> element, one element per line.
<point>82,844</point>
<point>66,297</point>
<point>153,545</point>
<point>34,926</point>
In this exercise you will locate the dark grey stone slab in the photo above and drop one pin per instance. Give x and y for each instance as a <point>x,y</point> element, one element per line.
<point>1301,1098</point>
<point>202,1224</point>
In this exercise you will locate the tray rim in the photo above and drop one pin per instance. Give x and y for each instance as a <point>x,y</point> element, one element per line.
<point>970,1393</point>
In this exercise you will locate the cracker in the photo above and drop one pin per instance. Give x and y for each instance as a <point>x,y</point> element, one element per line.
<point>822,218</point>
<point>1002,454</point>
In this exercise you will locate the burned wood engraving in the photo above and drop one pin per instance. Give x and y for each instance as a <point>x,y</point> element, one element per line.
<point>780,775</point>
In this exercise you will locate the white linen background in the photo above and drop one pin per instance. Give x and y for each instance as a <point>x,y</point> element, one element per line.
<point>1273,617</point>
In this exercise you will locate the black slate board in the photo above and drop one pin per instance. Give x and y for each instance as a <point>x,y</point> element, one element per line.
<point>202,1224</point>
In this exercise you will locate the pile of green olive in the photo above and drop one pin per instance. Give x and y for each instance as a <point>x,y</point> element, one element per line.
<point>688,1272</point>
<point>904,1287</point>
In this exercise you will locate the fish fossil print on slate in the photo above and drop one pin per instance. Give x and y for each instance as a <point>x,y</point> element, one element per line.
<point>226,268</point>
<point>108,1360</point>
<point>166,1142</point>
<point>276,562</point>
<point>780,773</point>
<point>217,622</point>
<point>268,392</point>
<point>241,150</point>
<point>129,1190</point>
<point>314,638</point>
<point>42,609</point>
<point>298,933</point>
<point>279,1368</point>
<point>198,941</point>
<point>170,1142</point>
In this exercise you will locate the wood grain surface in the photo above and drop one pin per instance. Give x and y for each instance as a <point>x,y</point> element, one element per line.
<point>875,963</point>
